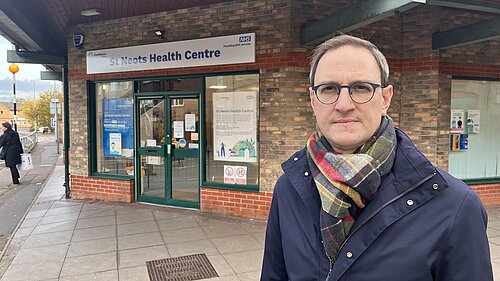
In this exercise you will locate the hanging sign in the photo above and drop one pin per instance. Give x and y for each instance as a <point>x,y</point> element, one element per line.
<point>231,49</point>
<point>118,130</point>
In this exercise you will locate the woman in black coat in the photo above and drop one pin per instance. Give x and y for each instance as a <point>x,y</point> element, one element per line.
<point>12,144</point>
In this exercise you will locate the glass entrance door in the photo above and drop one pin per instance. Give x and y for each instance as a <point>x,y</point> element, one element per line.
<point>168,149</point>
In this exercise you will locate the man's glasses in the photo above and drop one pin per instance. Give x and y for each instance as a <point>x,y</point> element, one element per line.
<point>360,92</point>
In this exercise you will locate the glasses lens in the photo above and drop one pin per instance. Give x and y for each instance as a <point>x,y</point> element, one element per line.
<point>328,93</point>
<point>362,92</point>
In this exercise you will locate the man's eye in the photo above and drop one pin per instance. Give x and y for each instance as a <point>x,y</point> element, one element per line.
<point>329,88</point>
<point>361,87</point>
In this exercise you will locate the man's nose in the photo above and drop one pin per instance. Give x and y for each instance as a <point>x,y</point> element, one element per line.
<point>344,103</point>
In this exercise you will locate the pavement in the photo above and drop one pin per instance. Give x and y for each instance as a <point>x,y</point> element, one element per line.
<point>60,239</point>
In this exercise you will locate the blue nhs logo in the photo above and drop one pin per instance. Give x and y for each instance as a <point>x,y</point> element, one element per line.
<point>246,38</point>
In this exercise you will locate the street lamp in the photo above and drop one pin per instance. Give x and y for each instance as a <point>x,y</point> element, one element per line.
<point>13,68</point>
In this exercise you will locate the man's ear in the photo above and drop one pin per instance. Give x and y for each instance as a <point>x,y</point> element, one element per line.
<point>312,97</point>
<point>387,93</point>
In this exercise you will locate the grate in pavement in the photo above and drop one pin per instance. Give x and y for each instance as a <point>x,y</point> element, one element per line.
<point>192,267</point>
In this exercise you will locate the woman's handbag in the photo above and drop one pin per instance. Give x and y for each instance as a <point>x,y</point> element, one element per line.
<point>26,162</point>
<point>3,153</point>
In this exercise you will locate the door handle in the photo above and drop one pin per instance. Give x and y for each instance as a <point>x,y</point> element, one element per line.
<point>150,150</point>
<point>168,148</point>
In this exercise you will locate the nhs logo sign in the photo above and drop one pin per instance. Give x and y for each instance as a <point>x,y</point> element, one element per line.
<point>246,38</point>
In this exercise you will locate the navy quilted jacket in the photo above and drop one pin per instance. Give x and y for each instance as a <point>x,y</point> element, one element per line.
<point>423,225</point>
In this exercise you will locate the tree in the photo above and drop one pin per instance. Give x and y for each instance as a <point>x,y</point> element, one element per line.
<point>39,110</point>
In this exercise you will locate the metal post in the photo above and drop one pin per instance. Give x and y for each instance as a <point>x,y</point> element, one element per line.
<point>34,104</point>
<point>66,129</point>
<point>56,103</point>
<point>15,101</point>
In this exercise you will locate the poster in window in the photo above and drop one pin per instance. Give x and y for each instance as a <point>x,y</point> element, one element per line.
<point>473,117</point>
<point>178,129</point>
<point>459,142</point>
<point>235,126</point>
<point>117,124</point>
<point>115,144</point>
<point>457,121</point>
<point>190,120</point>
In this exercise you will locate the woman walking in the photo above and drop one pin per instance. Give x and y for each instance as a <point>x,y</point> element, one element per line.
<point>11,144</point>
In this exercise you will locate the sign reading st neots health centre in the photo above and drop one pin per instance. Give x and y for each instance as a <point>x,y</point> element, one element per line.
<point>199,52</point>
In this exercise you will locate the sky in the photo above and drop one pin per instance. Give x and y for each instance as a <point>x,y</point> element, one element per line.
<point>28,81</point>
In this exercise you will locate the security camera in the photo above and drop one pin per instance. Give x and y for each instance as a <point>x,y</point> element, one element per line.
<point>78,40</point>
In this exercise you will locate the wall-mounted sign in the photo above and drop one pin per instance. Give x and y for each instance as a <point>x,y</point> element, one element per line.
<point>231,49</point>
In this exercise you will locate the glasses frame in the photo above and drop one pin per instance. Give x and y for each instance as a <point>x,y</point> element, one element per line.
<point>348,87</point>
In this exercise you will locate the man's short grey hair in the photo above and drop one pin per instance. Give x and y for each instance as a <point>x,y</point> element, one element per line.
<point>347,40</point>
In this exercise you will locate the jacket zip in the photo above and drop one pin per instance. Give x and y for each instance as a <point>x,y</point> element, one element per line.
<point>413,187</point>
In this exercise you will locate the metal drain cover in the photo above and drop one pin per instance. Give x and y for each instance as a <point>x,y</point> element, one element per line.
<point>192,267</point>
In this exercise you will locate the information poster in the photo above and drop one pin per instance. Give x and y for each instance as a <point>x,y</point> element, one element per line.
<point>473,117</point>
<point>235,126</point>
<point>459,142</point>
<point>178,129</point>
<point>118,127</point>
<point>457,121</point>
<point>190,121</point>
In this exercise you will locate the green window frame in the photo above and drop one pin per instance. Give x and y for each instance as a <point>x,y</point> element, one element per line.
<point>93,127</point>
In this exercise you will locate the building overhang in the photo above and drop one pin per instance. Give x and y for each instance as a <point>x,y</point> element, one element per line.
<point>366,12</point>
<point>467,34</point>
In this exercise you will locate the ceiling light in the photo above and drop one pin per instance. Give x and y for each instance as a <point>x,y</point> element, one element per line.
<point>217,87</point>
<point>90,12</point>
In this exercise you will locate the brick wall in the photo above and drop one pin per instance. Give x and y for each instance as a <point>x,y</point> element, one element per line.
<point>236,203</point>
<point>86,188</point>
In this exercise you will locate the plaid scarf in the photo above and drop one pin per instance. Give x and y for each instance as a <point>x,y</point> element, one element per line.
<point>346,182</point>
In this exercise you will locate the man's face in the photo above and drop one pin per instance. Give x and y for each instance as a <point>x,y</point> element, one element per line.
<point>3,128</point>
<point>346,124</point>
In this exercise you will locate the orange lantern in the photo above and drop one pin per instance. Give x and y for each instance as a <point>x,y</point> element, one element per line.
<point>13,68</point>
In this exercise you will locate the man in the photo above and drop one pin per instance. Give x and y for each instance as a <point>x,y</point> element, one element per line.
<point>360,202</point>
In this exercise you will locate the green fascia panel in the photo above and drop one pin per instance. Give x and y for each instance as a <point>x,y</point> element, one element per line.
<point>466,5</point>
<point>482,181</point>
<point>34,58</point>
<point>467,34</point>
<point>352,17</point>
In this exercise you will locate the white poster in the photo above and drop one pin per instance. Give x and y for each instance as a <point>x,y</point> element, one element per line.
<point>473,117</point>
<point>457,121</point>
<point>230,49</point>
<point>190,120</point>
<point>178,129</point>
<point>235,126</point>
<point>235,174</point>
<point>115,144</point>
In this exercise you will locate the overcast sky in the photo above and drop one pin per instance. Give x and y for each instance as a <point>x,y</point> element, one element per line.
<point>27,79</point>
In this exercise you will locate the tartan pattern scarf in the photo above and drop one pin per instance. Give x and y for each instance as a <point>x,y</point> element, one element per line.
<point>346,182</point>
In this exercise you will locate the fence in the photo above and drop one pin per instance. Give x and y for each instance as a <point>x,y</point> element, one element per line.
<point>29,141</point>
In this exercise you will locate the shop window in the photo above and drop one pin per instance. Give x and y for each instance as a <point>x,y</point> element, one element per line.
<point>114,127</point>
<point>232,151</point>
<point>475,130</point>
